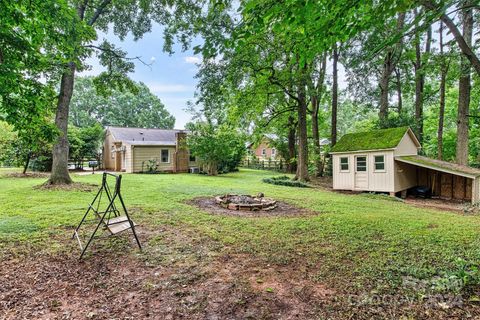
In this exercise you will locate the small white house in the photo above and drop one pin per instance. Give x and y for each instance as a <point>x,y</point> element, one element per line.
<point>387,160</point>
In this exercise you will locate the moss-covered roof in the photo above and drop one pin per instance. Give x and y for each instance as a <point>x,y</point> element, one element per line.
<point>440,165</point>
<point>371,140</point>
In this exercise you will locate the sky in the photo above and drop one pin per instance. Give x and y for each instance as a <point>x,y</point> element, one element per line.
<point>170,77</point>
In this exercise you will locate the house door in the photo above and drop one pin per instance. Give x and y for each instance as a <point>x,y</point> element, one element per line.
<point>361,174</point>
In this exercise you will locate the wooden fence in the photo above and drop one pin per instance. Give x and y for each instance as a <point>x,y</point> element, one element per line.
<point>275,165</point>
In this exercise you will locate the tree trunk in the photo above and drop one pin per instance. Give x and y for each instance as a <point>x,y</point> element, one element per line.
<point>441,112</point>
<point>316,96</point>
<point>60,173</point>
<point>291,163</point>
<point>333,137</point>
<point>389,63</point>
<point>302,163</point>
<point>464,92</point>
<point>27,162</point>
<point>399,90</point>
<point>420,82</point>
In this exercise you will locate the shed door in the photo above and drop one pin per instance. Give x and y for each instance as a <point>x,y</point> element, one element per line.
<point>361,173</point>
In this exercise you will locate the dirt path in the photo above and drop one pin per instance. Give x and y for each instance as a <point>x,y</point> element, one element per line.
<point>179,275</point>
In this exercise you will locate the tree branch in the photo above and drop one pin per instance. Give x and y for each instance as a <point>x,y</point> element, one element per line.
<point>99,12</point>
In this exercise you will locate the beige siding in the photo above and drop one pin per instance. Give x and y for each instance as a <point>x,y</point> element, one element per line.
<point>145,153</point>
<point>381,181</point>
<point>108,161</point>
<point>128,159</point>
<point>406,147</point>
<point>405,176</point>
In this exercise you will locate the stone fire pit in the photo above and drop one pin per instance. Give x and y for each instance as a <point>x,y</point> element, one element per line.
<point>246,202</point>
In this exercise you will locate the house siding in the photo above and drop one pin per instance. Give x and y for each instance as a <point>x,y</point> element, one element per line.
<point>108,162</point>
<point>145,153</point>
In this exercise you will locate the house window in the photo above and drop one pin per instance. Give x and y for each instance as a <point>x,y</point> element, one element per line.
<point>361,164</point>
<point>264,152</point>
<point>192,158</point>
<point>274,152</point>
<point>344,164</point>
<point>165,156</point>
<point>380,163</point>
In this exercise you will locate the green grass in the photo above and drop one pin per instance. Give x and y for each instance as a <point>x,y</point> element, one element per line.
<point>357,240</point>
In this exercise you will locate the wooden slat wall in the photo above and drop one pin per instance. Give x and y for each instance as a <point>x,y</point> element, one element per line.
<point>445,185</point>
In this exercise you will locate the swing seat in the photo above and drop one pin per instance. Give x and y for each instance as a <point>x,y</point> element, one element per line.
<point>118,224</point>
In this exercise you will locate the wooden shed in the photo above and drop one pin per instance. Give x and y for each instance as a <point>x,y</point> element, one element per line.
<point>387,160</point>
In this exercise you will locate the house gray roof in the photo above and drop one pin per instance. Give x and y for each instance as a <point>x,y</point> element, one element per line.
<point>144,136</point>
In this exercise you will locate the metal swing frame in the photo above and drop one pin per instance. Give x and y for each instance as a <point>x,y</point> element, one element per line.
<point>115,224</point>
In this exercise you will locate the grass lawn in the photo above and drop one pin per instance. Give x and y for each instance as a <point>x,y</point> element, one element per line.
<point>358,256</point>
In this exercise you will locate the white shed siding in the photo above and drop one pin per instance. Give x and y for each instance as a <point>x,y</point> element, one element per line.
<point>405,176</point>
<point>382,181</point>
<point>406,147</point>
<point>145,153</point>
<point>343,180</point>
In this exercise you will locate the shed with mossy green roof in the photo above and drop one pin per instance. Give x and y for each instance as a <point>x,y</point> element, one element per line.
<point>387,160</point>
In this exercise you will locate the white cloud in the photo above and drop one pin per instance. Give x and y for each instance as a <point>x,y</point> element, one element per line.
<point>193,60</point>
<point>169,88</point>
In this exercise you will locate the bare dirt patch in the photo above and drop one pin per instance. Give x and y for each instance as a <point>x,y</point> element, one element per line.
<point>282,209</point>
<point>182,275</point>
<point>75,186</point>
<point>439,204</point>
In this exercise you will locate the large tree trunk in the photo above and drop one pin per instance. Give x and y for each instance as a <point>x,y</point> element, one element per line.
<point>316,96</point>
<point>291,163</point>
<point>464,92</point>
<point>60,173</point>
<point>333,137</point>
<point>441,112</point>
<point>399,90</point>
<point>420,82</point>
<point>389,63</point>
<point>302,163</point>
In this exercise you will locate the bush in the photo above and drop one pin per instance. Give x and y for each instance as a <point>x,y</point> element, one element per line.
<point>285,181</point>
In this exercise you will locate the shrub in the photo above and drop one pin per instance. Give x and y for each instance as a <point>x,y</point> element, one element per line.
<point>285,181</point>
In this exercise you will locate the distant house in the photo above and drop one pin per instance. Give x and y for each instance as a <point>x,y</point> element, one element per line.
<point>387,160</point>
<point>265,149</point>
<point>138,150</point>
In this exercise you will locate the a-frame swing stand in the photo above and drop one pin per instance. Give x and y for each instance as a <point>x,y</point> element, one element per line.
<point>111,219</point>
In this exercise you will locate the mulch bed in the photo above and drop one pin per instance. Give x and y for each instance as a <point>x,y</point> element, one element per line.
<point>209,205</point>
<point>27,175</point>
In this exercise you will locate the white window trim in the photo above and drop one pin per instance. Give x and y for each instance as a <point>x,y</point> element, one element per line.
<point>161,151</point>
<point>348,164</point>
<point>375,163</point>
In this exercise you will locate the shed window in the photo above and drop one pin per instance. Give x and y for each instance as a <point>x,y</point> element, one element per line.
<point>344,164</point>
<point>361,164</point>
<point>165,156</point>
<point>380,163</point>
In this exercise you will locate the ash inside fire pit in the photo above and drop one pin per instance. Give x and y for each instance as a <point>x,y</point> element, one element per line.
<point>246,202</point>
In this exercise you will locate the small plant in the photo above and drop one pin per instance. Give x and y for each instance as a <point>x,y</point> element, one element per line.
<point>285,181</point>
<point>151,166</point>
